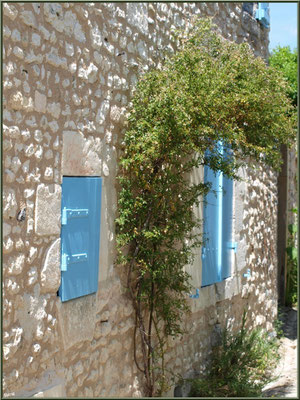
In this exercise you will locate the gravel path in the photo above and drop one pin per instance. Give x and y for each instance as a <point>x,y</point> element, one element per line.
<point>286,384</point>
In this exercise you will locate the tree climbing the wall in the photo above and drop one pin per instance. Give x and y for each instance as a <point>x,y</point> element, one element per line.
<point>209,90</point>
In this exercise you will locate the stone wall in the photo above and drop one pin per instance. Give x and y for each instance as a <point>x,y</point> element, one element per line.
<point>69,72</point>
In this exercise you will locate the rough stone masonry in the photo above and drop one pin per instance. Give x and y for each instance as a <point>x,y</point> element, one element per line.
<point>69,72</point>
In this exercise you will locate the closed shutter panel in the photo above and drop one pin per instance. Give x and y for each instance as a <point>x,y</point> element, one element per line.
<point>263,14</point>
<point>212,213</point>
<point>227,223</point>
<point>80,236</point>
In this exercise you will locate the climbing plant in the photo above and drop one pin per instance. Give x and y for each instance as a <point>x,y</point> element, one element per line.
<point>292,263</point>
<point>209,90</point>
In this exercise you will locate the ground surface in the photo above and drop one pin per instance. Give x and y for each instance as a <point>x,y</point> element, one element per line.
<point>286,383</point>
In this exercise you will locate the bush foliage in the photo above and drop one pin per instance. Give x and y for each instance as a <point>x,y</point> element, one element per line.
<point>209,90</point>
<point>285,60</point>
<point>241,366</point>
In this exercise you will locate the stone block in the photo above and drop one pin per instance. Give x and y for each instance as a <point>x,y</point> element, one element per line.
<point>79,312</point>
<point>54,110</point>
<point>88,73</point>
<point>33,58</point>
<point>6,229</point>
<point>10,11</point>
<point>50,274</point>
<point>81,155</point>
<point>48,210</point>
<point>56,61</point>
<point>40,102</point>
<point>137,16</point>
<point>18,52</point>
<point>16,264</point>
<point>18,102</point>
<point>57,391</point>
<point>28,19</point>
<point>10,206</point>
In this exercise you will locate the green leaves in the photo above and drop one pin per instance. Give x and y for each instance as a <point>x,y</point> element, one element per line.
<point>285,60</point>
<point>292,253</point>
<point>293,228</point>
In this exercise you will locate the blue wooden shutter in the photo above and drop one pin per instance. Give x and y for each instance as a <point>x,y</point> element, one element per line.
<point>80,236</point>
<point>218,248</point>
<point>263,14</point>
<point>228,246</point>
<point>212,215</point>
<point>227,227</point>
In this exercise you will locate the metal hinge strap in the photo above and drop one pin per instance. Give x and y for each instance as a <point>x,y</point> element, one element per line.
<point>72,259</point>
<point>68,213</point>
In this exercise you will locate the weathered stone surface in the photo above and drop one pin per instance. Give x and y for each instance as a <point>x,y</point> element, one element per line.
<point>36,39</point>
<point>64,22</point>
<point>28,18</point>
<point>117,114</point>
<point>31,58</point>
<point>8,245</point>
<point>10,11</point>
<point>10,348</point>
<point>96,37</point>
<point>57,391</point>
<point>89,73</point>
<point>137,16</point>
<point>40,102</point>
<point>19,102</point>
<point>10,205</point>
<point>72,314</point>
<point>18,52</point>
<point>102,112</point>
<point>6,229</point>
<point>47,210</point>
<point>58,62</point>
<point>50,274</point>
<point>54,109</point>
<point>16,264</point>
<point>9,176</point>
<point>12,132</point>
<point>80,155</point>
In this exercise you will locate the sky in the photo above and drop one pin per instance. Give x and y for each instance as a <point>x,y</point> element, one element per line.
<point>283,25</point>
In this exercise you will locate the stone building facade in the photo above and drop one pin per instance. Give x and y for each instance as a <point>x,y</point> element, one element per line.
<point>69,71</point>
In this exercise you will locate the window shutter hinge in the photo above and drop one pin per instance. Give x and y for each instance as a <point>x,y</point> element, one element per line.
<point>68,213</point>
<point>72,259</point>
<point>195,296</point>
<point>248,274</point>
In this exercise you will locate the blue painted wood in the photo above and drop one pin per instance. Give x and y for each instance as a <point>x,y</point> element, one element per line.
<point>212,213</point>
<point>80,236</point>
<point>227,227</point>
<point>263,14</point>
<point>228,247</point>
<point>217,252</point>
